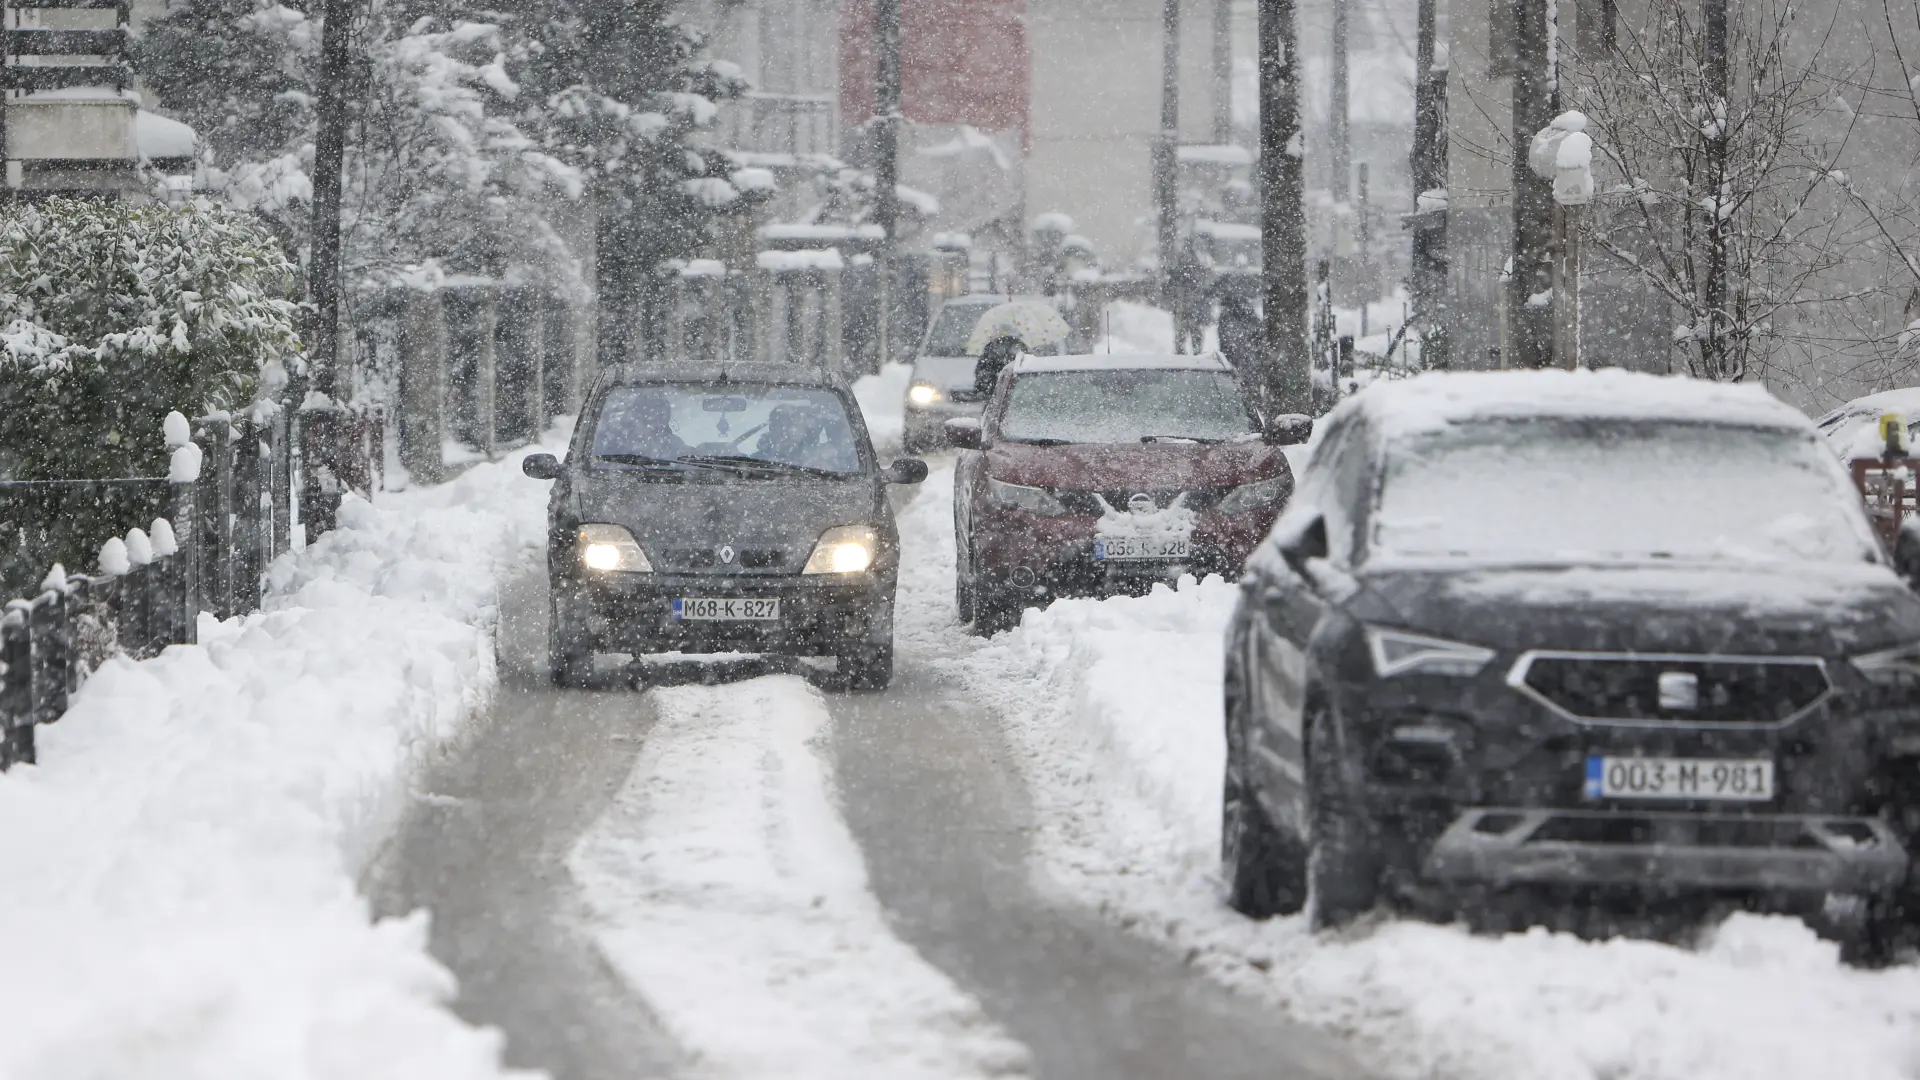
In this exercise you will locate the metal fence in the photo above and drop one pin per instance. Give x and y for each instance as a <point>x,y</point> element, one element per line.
<point>228,500</point>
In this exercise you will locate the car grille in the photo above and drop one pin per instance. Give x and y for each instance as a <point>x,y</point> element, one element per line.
<point>708,558</point>
<point>1678,689</point>
<point>1199,500</point>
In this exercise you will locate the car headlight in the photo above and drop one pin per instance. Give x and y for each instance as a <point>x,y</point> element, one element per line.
<point>1021,497</point>
<point>1398,653</point>
<point>1258,495</point>
<point>844,549</point>
<point>923,395</point>
<point>607,548</point>
<point>1898,666</point>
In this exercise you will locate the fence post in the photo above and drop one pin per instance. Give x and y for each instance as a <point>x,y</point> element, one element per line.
<point>216,517</point>
<point>252,520</point>
<point>50,642</point>
<point>423,385</point>
<point>16,687</point>
<point>185,589</point>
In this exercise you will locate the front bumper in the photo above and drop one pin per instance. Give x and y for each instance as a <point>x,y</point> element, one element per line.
<point>818,616</point>
<point>1054,555</point>
<point>1773,852</point>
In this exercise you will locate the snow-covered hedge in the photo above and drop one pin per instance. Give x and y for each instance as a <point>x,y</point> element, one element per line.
<point>113,315</point>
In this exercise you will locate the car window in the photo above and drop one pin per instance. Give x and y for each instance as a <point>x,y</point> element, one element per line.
<point>948,334</point>
<point>1585,489</point>
<point>800,426</point>
<point>1128,405</point>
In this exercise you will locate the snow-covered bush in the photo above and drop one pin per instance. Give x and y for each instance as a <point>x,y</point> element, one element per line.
<point>112,315</point>
<point>116,314</point>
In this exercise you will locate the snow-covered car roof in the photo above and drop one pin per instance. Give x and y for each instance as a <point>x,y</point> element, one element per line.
<point>721,374</point>
<point>1853,429</point>
<point>1435,400</point>
<point>1120,361</point>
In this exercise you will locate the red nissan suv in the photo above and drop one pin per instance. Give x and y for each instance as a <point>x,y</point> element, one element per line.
<point>1095,475</point>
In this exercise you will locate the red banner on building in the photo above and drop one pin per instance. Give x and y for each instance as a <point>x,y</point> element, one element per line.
<point>962,62</point>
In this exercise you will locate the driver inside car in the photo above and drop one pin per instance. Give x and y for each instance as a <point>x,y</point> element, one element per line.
<point>640,424</point>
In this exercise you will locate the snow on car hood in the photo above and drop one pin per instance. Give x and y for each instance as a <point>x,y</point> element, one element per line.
<point>945,372</point>
<point>1826,609</point>
<point>1160,466</point>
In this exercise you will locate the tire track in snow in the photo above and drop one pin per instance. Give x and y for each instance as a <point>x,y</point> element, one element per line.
<point>729,893</point>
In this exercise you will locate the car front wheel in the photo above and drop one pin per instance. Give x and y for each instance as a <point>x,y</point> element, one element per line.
<point>1344,869</point>
<point>569,651</point>
<point>869,667</point>
<point>1264,867</point>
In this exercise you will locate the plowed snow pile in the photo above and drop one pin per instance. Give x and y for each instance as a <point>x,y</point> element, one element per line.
<point>178,873</point>
<point>1113,709</point>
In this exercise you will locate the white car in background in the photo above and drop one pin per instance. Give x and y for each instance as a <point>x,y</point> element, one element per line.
<point>942,387</point>
<point>1853,429</point>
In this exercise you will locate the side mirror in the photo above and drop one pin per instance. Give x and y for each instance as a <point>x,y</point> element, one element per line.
<point>963,432</point>
<point>906,470</point>
<point>1302,539</point>
<point>1287,429</point>
<point>542,466</point>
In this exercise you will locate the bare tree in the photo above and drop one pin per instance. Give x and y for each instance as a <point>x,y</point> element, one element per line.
<point>1726,134</point>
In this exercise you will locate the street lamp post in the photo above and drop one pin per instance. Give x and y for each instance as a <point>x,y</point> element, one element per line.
<point>1285,382</point>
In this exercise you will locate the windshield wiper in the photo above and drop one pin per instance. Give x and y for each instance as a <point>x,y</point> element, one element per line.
<point>654,464</point>
<point>759,465</point>
<point>1180,438</point>
<point>1040,442</point>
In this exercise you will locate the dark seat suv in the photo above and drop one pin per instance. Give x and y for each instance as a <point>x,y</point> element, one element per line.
<point>735,509</point>
<point>1522,636</point>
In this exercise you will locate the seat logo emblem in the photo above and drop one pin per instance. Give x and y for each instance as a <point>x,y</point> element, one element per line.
<point>726,553</point>
<point>1142,503</point>
<point>1679,690</point>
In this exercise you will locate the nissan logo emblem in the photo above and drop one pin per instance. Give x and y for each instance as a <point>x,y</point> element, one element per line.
<point>726,553</point>
<point>1142,503</point>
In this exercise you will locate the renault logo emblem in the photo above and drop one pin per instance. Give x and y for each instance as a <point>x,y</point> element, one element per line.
<point>1142,503</point>
<point>726,553</point>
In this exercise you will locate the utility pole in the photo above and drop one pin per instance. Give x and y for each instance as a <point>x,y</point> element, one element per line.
<point>1285,384</point>
<point>1530,320</point>
<point>1222,71</point>
<point>886,170</point>
<point>1428,167</point>
<point>1166,162</point>
<point>324,434</point>
<point>1714,15</point>
<point>329,159</point>
<point>1340,167</point>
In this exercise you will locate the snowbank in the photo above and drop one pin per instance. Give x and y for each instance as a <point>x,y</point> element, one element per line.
<point>179,870</point>
<point>1112,710</point>
<point>882,399</point>
<point>732,897</point>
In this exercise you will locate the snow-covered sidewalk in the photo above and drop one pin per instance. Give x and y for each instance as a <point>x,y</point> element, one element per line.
<point>730,894</point>
<point>1112,709</point>
<point>180,868</point>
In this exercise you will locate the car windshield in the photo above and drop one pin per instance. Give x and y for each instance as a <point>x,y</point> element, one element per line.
<point>745,427</point>
<point>1580,490</point>
<point>948,335</point>
<point>1125,406</point>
